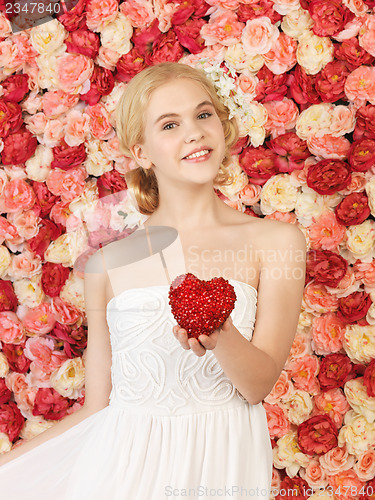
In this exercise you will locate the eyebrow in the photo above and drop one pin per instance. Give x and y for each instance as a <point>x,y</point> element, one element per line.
<point>173,115</point>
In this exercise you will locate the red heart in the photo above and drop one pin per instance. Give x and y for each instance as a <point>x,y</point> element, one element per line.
<point>200,306</point>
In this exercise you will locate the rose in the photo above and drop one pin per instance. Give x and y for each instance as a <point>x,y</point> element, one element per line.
<point>291,152</point>
<point>15,87</point>
<point>270,87</point>
<point>8,299</point>
<point>365,124</point>
<point>329,16</point>
<point>352,53</point>
<point>50,404</point>
<point>335,370</point>
<point>353,209</point>
<point>5,393</point>
<point>10,118</point>
<point>68,184</point>
<point>44,198</point>
<point>302,87</point>
<point>66,157</point>
<point>317,434</point>
<point>259,8</point>
<point>258,164</point>
<point>292,487</point>
<point>259,35</point>
<point>224,28</point>
<point>53,278</point>
<point>360,85</point>
<point>328,176</point>
<point>167,48</point>
<point>144,39</point>
<point>111,182</point>
<point>326,267</point>
<point>330,81</point>
<point>74,18</point>
<point>362,154</point>
<point>74,340</point>
<point>188,34</point>
<point>369,378</point>
<point>11,420</point>
<point>354,306</point>
<point>83,41</point>
<point>18,147</point>
<point>129,65</point>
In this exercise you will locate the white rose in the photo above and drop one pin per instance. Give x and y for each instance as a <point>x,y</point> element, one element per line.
<point>359,343</point>
<point>237,177</point>
<point>48,37</point>
<point>34,427</point>
<point>360,239</point>
<point>5,260</point>
<point>278,194</point>
<point>239,60</point>
<point>38,166</point>
<point>117,34</point>
<point>69,379</point>
<point>314,52</point>
<point>73,292</point>
<point>29,291</point>
<point>5,443</point>
<point>296,23</point>
<point>96,162</point>
<point>315,120</point>
<point>47,64</point>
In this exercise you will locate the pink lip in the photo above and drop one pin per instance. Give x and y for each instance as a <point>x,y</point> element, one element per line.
<point>199,158</point>
<point>197,150</point>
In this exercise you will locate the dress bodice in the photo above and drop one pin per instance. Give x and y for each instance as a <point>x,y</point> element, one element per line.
<point>151,372</point>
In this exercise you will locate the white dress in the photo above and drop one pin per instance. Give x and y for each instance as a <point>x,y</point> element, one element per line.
<point>175,427</point>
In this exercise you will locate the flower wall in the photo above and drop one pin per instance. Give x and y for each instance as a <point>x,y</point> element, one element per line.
<point>299,78</point>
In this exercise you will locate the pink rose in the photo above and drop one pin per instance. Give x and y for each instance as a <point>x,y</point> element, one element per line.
<point>17,195</point>
<point>73,70</point>
<point>41,352</point>
<point>367,35</point>
<point>336,460</point>
<point>329,16</point>
<point>348,481</point>
<point>100,126</point>
<point>327,334</point>
<point>11,328</point>
<point>282,389</point>
<point>365,467</point>
<point>139,12</point>
<point>317,299</point>
<point>84,42</point>
<point>223,27</point>
<point>282,116</point>
<point>282,56</point>
<point>65,313</point>
<point>100,12</point>
<point>360,85</point>
<point>57,102</point>
<point>76,128</point>
<point>36,123</point>
<point>315,475</point>
<point>39,320</point>
<point>328,147</point>
<point>68,185</point>
<point>277,420</point>
<point>259,35</point>
<point>303,373</point>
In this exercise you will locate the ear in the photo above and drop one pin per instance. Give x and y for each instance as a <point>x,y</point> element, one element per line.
<point>140,156</point>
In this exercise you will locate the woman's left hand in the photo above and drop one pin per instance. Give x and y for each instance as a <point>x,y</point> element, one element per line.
<point>204,342</point>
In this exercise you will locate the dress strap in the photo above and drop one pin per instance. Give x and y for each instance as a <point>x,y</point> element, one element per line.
<point>160,253</point>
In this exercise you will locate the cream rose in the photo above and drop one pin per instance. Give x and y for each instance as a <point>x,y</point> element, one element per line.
<point>356,394</point>
<point>296,23</point>
<point>360,240</point>
<point>96,162</point>
<point>60,251</point>
<point>5,260</point>
<point>299,406</point>
<point>5,443</point>
<point>314,52</point>
<point>38,166</point>
<point>29,291</point>
<point>48,71</point>
<point>48,37</point>
<point>34,427</point>
<point>359,343</point>
<point>4,365</point>
<point>315,120</point>
<point>287,454</point>
<point>278,193</point>
<point>370,191</point>
<point>239,60</point>
<point>73,292</point>
<point>69,379</point>
<point>358,435</point>
<point>117,34</point>
<point>237,177</point>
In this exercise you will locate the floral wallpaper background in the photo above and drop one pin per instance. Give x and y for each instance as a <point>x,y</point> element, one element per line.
<point>299,77</point>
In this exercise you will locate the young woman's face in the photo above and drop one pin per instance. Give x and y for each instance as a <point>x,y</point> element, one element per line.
<point>183,137</point>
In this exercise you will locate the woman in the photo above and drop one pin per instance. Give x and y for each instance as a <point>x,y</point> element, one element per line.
<point>178,416</point>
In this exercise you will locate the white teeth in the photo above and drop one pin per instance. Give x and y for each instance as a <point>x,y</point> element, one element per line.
<point>196,155</point>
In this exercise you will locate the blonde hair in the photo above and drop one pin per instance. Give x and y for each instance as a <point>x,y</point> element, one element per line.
<point>130,116</point>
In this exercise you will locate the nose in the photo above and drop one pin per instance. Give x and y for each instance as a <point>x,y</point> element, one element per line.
<point>193,132</point>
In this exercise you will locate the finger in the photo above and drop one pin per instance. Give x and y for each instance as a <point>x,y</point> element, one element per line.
<point>196,347</point>
<point>182,336</point>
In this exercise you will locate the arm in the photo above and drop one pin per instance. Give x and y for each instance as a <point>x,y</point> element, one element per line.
<point>254,367</point>
<point>97,360</point>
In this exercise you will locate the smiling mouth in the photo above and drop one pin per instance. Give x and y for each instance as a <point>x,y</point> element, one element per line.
<point>204,152</point>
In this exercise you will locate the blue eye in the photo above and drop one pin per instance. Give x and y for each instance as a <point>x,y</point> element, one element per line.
<point>166,126</point>
<point>206,113</point>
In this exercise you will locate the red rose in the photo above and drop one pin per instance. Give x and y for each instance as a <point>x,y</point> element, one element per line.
<point>74,340</point>
<point>50,404</point>
<point>129,65</point>
<point>188,34</point>
<point>75,17</point>
<point>352,53</point>
<point>365,124</point>
<point>11,420</point>
<point>246,12</point>
<point>10,117</point>
<point>48,231</point>
<point>331,80</point>
<point>167,48</point>
<point>329,16</point>
<point>53,278</point>
<point>5,393</point>
<point>317,434</point>
<point>8,299</point>
<point>45,199</point>
<point>16,358</point>
<point>361,155</point>
<point>270,87</point>
<point>328,176</point>
<point>15,87</point>
<point>302,87</point>
<point>258,163</point>
<point>101,83</point>
<point>200,8</point>
<point>240,145</point>
<point>145,38</point>
<point>292,488</point>
<point>291,152</point>
<point>183,12</point>
<point>369,379</point>
<point>67,157</point>
<point>354,306</point>
<point>18,147</point>
<point>83,41</point>
<point>353,209</point>
<point>334,371</point>
<point>326,267</point>
<point>111,182</point>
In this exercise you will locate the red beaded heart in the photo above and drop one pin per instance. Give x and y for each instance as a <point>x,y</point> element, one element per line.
<point>200,306</point>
